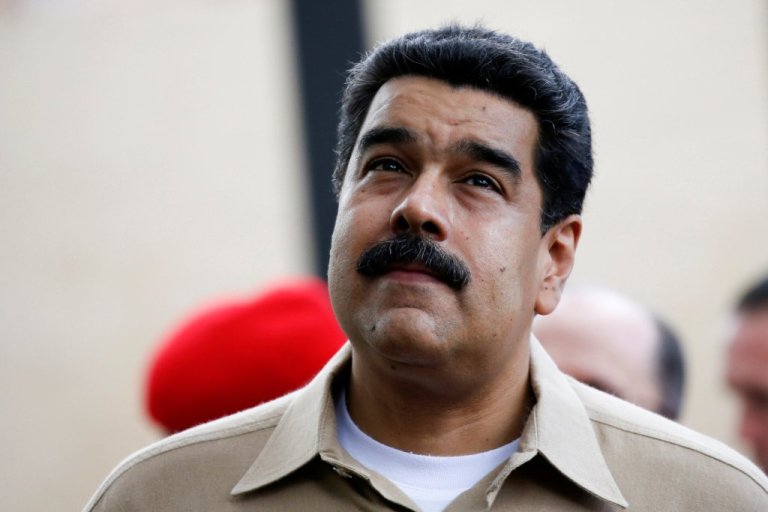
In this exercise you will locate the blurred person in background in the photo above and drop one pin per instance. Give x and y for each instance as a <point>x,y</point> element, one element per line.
<point>605,339</point>
<point>238,354</point>
<point>747,369</point>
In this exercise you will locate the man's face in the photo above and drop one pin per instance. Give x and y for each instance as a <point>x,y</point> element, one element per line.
<point>748,377</point>
<point>454,166</point>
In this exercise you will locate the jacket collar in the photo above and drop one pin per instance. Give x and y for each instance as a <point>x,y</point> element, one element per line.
<point>558,428</point>
<point>307,427</point>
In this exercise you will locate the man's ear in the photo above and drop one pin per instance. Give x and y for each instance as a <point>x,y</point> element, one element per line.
<point>558,252</point>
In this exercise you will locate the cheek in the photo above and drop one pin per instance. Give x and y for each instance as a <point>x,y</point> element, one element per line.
<point>348,229</point>
<point>343,250</point>
<point>500,284</point>
<point>336,260</point>
<point>356,229</point>
<point>518,277</point>
<point>509,261</point>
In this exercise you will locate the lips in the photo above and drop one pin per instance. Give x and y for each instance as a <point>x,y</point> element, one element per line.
<point>412,268</point>
<point>413,273</point>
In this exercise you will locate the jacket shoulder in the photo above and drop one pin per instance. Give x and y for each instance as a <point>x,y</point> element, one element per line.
<point>223,437</point>
<point>669,446</point>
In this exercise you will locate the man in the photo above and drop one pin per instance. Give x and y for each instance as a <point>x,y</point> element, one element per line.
<point>614,344</point>
<point>747,371</point>
<point>463,159</point>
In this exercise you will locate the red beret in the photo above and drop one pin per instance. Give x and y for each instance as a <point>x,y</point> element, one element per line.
<point>241,354</point>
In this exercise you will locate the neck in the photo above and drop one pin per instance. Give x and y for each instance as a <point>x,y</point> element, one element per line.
<point>429,411</point>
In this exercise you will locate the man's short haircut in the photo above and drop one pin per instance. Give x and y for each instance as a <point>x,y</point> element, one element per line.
<point>670,370</point>
<point>755,298</point>
<point>498,63</point>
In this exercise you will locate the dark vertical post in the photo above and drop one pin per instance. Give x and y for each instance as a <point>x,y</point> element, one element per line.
<point>329,38</point>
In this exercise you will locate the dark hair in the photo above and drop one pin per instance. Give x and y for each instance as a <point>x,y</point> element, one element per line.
<point>494,62</point>
<point>670,370</point>
<point>756,297</point>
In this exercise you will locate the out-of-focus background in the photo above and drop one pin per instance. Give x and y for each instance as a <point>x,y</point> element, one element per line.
<point>153,160</point>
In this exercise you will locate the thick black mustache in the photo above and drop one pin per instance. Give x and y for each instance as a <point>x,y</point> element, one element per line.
<point>379,259</point>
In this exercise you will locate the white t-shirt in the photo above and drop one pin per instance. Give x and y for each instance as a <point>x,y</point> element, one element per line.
<point>431,482</point>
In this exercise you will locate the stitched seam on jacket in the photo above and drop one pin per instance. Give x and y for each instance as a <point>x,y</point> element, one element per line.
<point>169,444</point>
<point>682,443</point>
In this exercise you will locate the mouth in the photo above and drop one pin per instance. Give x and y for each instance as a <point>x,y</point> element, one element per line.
<point>412,272</point>
<point>416,268</point>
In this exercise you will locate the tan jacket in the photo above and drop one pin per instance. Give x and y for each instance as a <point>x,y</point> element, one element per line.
<point>580,450</point>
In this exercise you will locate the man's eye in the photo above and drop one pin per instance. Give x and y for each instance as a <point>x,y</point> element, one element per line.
<point>482,181</point>
<point>385,164</point>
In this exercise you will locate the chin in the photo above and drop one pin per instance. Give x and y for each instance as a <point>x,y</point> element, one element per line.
<point>407,337</point>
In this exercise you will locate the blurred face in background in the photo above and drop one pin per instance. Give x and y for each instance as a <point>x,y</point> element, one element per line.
<point>747,375</point>
<point>602,339</point>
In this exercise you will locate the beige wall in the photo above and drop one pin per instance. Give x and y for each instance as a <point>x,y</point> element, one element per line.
<point>150,162</point>
<point>150,159</point>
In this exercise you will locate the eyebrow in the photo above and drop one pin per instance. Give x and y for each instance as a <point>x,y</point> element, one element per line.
<point>471,148</point>
<point>384,135</point>
<point>484,153</point>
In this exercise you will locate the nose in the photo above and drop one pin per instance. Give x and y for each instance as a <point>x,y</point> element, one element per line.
<point>423,211</point>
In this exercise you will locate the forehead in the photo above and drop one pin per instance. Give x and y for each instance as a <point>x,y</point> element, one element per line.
<point>440,114</point>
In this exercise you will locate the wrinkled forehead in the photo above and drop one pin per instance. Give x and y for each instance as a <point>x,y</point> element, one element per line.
<point>440,114</point>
